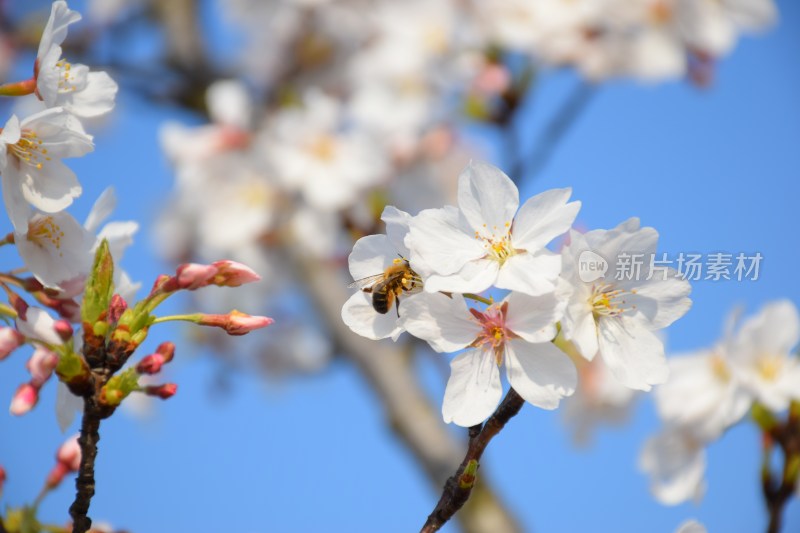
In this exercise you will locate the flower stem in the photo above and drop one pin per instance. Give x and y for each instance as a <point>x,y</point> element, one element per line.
<point>481,299</point>
<point>459,486</point>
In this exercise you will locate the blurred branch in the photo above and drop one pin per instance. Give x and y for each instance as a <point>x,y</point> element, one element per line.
<point>564,118</point>
<point>409,412</point>
<point>777,493</point>
<point>460,485</point>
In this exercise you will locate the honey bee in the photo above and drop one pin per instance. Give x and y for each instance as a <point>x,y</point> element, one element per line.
<point>386,288</point>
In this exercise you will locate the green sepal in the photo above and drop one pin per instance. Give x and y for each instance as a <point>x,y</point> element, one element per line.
<point>763,417</point>
<point>71,367</point>
<point>119,387</point>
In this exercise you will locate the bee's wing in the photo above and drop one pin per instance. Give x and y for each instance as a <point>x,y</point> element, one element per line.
<point>366,283</point>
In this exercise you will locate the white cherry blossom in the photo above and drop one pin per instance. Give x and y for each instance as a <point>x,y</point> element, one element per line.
<point>515,332</point>
<point>676,464</point>
<point>31,166</point>
<point>486,241</point>
<point>62,84</point>
<point>371,256</point>
<point>762,358</point>
<point>618,318</point>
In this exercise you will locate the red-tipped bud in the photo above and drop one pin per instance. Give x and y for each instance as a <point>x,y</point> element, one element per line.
<point>56,475</point>
<point>41,366</point>
<point>233,274</point>
<point>10,340</point>
<point>19,305</point>
<point>236,323</point>
<point>24,399</point>
<point>167,349</point>
<point>70,454</point>
<point>2,479</point>
<point>159,283</point>
<point>167,390</point>
<point>116,307</point>
<point>64,329</point>
<point>191,276</point>
<point>151,364</point>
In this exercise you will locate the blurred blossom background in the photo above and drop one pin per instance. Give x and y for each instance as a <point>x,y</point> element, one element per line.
<point>273,133</point>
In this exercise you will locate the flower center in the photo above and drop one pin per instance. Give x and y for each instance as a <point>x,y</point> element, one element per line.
<point>720,368</point>
<point>28,149</point>
<point>66,80</point>
<point>497,244</point>
<point>44,231</point>
<point>493,334</point>
<point>769,366</point>
<point>607,300</point>
<point>323,147</point>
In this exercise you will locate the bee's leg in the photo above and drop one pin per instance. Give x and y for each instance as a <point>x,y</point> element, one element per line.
<point>397,306</point>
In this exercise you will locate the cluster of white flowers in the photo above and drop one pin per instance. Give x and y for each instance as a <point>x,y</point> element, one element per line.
<point>644,39</point>
<point>38,186</point>
<point>487,241</point>
<point>340,107</point>
<point>711,390</point>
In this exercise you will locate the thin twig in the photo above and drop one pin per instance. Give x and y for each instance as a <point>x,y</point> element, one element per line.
<point>459,486</point>
<point>561,122</point>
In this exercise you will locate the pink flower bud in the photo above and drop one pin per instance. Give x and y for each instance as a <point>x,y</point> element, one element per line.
<point>10,340</point>
<point>159,283</point>
<point>191,276</point>
<point>167,390</point>
<point>116,307</point>
<point>236,323</point>
<point>167,349</point>
<point>2,479</point>
<point>233,274</point>
<point>56,475</point>
<point>151,364</point>
<point>24,399</point>
<point>70,454</point>
<point>64,329</point>
<point>19,305</point>
<point>41,366</point>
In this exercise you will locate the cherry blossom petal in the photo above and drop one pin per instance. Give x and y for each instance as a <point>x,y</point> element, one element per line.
<point>659,302</point>
<point>397,226</point>
<point>473,390</point>
<point>775,329</point>
<point>533,274</point>
<point>632,352</point>
<point>541,373</point>
<point>475,276</point>
<point>359,315</point>
<point>488,199</point>
<point>55,31</point>
<point>371,255</point>
<point>442,243</point>
<point>96,98</point>
<point>534,317</point>
<point>51,190</point>
<point>40,326</point>
<point>580,328</point>
<point>229,103</point>
<point>676,465</point>
<point>543,218</point>
<point>444,322</point>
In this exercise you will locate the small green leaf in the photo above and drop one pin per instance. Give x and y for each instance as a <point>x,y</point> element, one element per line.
<point>99,286</point>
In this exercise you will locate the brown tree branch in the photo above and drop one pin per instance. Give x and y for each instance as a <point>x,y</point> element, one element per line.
<point>778,493</point>
<point>459,486</point>
<point>84,483</point>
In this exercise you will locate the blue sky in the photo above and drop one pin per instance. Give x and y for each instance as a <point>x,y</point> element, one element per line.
<point>713,170</point>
